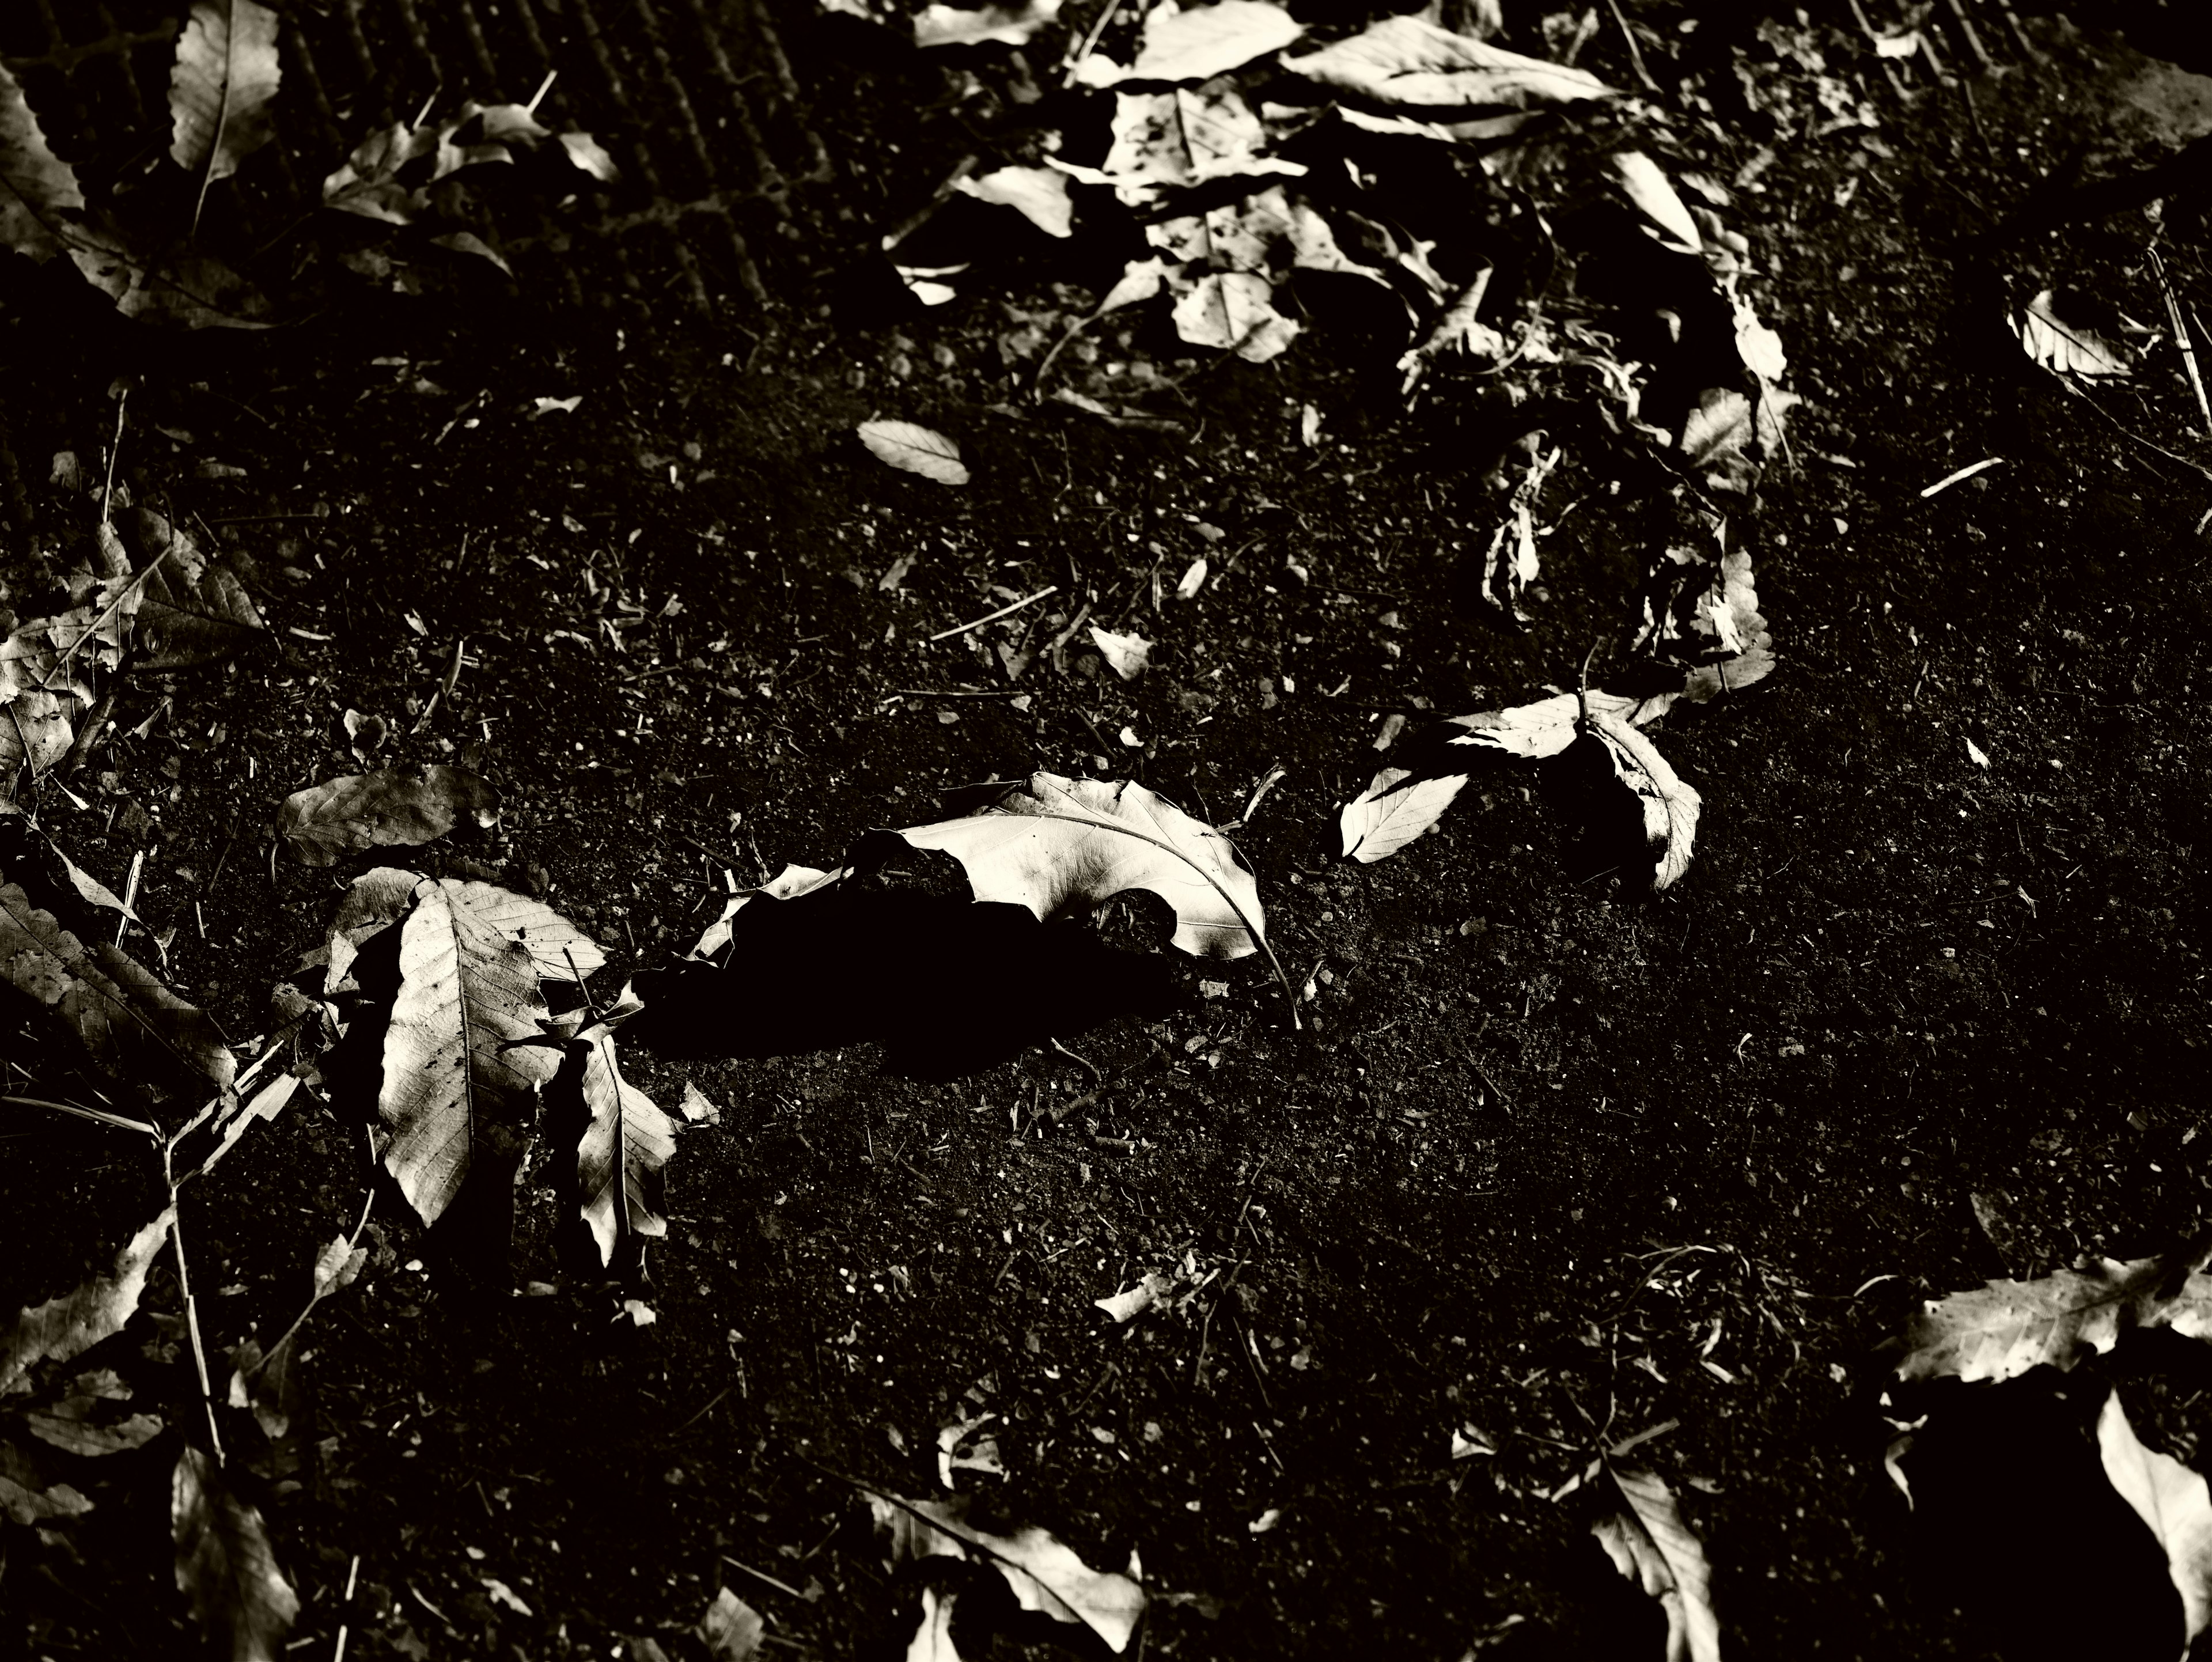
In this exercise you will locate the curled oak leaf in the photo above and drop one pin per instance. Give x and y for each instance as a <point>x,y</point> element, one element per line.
<point>147,1043</point>
<point>1053,842</point>
<point>402,805</point>
<point>69,1325</point>
<point>225,1565</point>
<point>466,990</point>
<point>1043,1573</point>
<point>220,87</point>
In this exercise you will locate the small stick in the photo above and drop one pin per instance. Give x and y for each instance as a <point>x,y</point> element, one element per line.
<point>1961,476</point>
<point>1090,41</point>
<point>761,1575</point>
<point>992,617</point>
<point>1635,54</point>
<point>2182,337</point>
<point>1973,36</point>
<point>107,492</point>
<point>352,1576</point>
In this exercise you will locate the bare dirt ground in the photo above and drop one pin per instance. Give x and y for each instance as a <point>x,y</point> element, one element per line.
<point>1549,1164</point>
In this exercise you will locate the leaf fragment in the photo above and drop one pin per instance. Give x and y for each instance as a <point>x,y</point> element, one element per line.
<point>34,730</point>
<point>1669,807</point>
<point>1039,194</point>
<point>68,1326</point>
<point>1410,61</point>
<point>225,1565</point>
<point>1201,42</point>
<point>27,1497</point>
<point>2064,348</point>
<point>2174,1501</point>
<point>392,806</point>
<point>2005,1328</point>
<point>1056,842</point>
<point>1127,655</point>
<point>917,449</point>
<point>37,187</point>
<point>731,1628</point>
<point>942,25</point>
<point>1390,813</point>
<point>1652,1546</point>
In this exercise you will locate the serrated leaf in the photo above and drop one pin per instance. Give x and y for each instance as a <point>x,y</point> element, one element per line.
<point>147,1043</point>
<point>623,1148</point>
<point>916,450</point>
<point>1390,813</point>
<point>2005,1328</point>
<point>1652,1546</point>
<point>37,187</point>
<point>465,989</point>
<point>1669,807</point>
<point>1056,842</point>
<point>951,26</point>
<point>225,76</point>
<point>561,950</point>
<point>1044,1573</point>
<point>1547,727</point>
<point>731,1628</point>
<point>2174,1501</point>
<point>68,1326</point>
<point>1408,60</point>
<point>392,806</point>
<point>225,1565</point>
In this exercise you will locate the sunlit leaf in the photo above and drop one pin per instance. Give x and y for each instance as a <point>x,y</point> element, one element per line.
<point>68,1326</point>
<point>37,187</point>
<point>1128,655</point>
<point>1390,813</point>
<point>225,76</point>
<point>1199,42</point>
<point>626,1142</point>
<point>1040,194</point>
<point>225,1565</point>
<point>1652,1546</point>
<point>1410,61</point>
<point>915,448</point>
<point>2069,349</point>
<point>2173,1502</point>
<point>2005,1328</point>
<point>1009,24</point>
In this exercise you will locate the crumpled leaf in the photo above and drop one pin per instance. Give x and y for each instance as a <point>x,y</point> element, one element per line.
<point>1177,139</point>
<point>1040,194</point>
<point>466,988</point>
<point>1044,1573</point>
<point>1652,1546</point>
<point>2174,1502</point>
<point>731,1628</point>
<point>34,730</point>
<point>225,1565</point>
<point>950,26</point>
<point>1390,813</point>
<point>1056,842</point>
<point>623,1148</point>
<point>69,1325</point>
<point>1127,655</point>
<point>1234,311</point>
<point>189,609</point>
<point>1546,727</point>
<point>148,1044</point>
<point>1199,42</point>
<point>1132,1301</point>
<point>37,187</point>
<point>915,448</point>
<point>1669,808</point>
<point>225,76</point>
<point>1408,60</point>
<point>2005,1328</point>
<point>403,805</point>
<point>2065,348</point>
<point>27,1498</point>
<point>786,885</point>
<point>590,156</point>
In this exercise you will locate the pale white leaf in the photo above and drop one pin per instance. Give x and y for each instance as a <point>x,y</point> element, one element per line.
<point>1410,61</point>
<point>2174,1501</point>
<point>1390,813</point>
<point>917,449</point>
<point>500,1593</point>
<point>561,950</point>
<point>2065,348</point>
<point>1193,579</point>
<point>698,1107</point>
<point>1975,754</point>
<point>1547,727</point>
<point>1172,140</point>
<point>731,1628</point>
<point>1039,193</point>
<point>1645,185</point>
<point>1652,1546</point>
<point>588,154</point>
<point>1233,311</point>
<point>1057,842</point>
<point>628,1141</point>
<point>338,1266</point>
<point>1139,281</point>
<point>68,1326</point>
<point>1204,41</point>
<point>1127,655</point>
<point>1669,807</point>
<point>2003,1329</point>
<point>786,885</point>
<point>1758,346</point>
<point>1132,1301</point>
<point>220,87</point>
<point>1011,25</point>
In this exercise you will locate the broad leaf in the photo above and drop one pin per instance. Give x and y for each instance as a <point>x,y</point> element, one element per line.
<point>25,1496</point>
<point>1058,842</point>
<point>1408,60</point>
<point>69,1428</point>
<point>146,1041</point>
<point>2006,1328</point>
<point>1652,1546</point>
<point>192,609</point>
<point>161,283</point>
<point>1044,1573</point>
<point>1172,141</point>
<point>1039,193</point>
<point>730,1629</point>
<point>1547,727</point>
<point>68,1326</point>
<point>2174,1501</point>
<point>34,730</point>
<point>225,1565</point>
<point>623,1148</point>
<point>37,187</point>
<point>2067,349</point>
<point>220,87</point>
<point>392,806</point>
<point>1127,655</point>
<point>1235,312</point>
<point>466,988</point>
<point>1204,41</point>
<point>1390,813</point>
<point>916,450</point>
<point>1669,807</point>
<point>376,899</point>
<point>561,950</point>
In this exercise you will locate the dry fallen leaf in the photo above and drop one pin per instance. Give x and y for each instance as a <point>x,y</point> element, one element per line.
<point>28,1498</point>
<point>1201,42</point>
<point>68,1326</point>
<point>731,1628</point>
<point>225,1565</point>
<point>392,807</point>
<point>626,1142</point>
<point>1127,655</point>
<point>1408,60</point>
<point>950,26</point>
<point>2065,348</point>
<point>916,450</point>
<point>1652,1546</point>
<point>1669,807</point>
<point>1040,194</point>
<point>40,187</point>
<point>220,87</point>
<point>2006,1328</point>
<point>1390,813</point>
<point>2174,1501</point>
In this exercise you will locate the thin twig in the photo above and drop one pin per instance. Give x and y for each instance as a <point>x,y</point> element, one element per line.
<point>192,1310</point>
<point>992,617</point>
<point>761,1575</point>
<point>1090,41</point>
<point>2182,337</point>
<point>107,492</point>
<point>1635,52</point>
<point>98,1115</point>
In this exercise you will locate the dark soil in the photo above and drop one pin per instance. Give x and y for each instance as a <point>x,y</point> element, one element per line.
<point>1551,1163</point>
